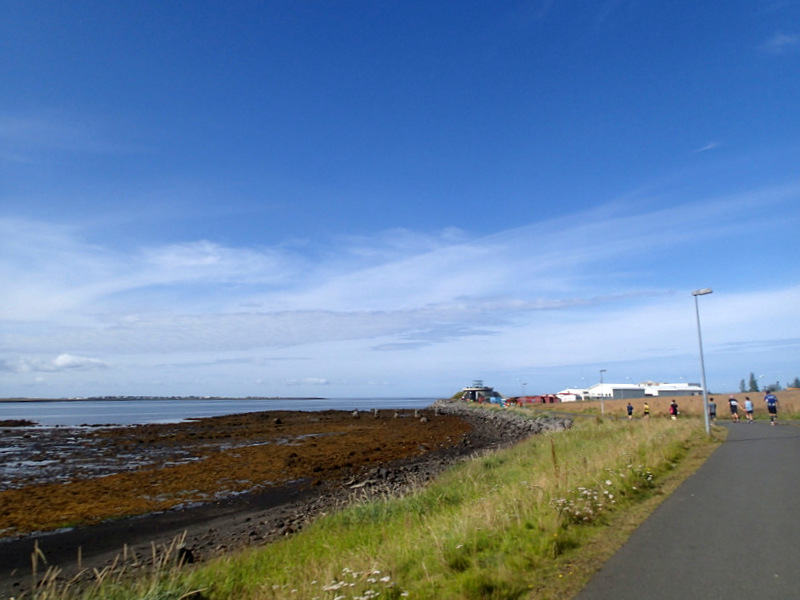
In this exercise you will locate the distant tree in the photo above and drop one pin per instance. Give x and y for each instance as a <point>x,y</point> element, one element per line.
<point>775,387</point>
<point>753,383</point>
<point>742,386</point>
<point>796,382</point>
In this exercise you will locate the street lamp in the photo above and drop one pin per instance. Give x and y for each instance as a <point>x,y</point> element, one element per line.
<point>697,293</point>
<point>602,407</point>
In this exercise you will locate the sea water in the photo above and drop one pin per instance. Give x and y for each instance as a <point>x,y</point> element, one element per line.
<point>70,413</point>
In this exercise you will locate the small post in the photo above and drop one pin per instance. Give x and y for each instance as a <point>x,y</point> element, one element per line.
<point>602,406</point>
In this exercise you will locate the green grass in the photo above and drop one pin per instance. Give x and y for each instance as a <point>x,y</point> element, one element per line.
<point>530,521</point>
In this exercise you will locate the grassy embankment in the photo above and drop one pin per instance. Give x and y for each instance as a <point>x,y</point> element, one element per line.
<point>533,521</point>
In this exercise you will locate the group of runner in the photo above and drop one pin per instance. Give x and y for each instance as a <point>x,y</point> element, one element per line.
<point>673,410</point>
<point>769,398</point>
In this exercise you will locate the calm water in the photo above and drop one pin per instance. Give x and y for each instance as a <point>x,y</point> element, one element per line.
<point>130,412</point>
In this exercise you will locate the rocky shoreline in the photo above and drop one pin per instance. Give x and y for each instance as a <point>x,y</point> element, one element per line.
<point>259,516</point>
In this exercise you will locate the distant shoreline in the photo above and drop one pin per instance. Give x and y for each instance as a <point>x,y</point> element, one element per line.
<point>170,398</point>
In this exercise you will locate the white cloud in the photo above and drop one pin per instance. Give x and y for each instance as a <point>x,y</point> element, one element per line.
<point>781,43</point>
<point>69,361</point>
<point>25,137</point>
<point>707,147</point>
<point>55,274</point>
<point>597,286</point>
<point>62,362</point>
<point>308,381</point>
<point>209,261</point>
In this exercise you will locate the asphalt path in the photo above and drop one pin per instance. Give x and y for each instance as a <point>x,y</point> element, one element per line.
<point>730,531</point>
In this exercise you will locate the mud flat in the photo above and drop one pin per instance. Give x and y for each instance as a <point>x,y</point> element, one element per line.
<point>223,482</point>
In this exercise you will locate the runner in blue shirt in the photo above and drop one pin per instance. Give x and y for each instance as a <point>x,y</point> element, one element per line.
<point>772,406</point>
<point>748,408</point>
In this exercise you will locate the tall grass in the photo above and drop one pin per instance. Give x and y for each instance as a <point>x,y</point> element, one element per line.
<point>788,407</point>
<point>494,527</point>
<point>125,578</point>
<point>505,525</point>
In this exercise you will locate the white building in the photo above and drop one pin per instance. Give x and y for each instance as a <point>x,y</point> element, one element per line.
<point>572,394</point>
<point>613,391</point>
<point>672,389</point>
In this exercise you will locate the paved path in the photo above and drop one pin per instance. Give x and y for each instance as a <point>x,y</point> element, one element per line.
<point>731,531</point>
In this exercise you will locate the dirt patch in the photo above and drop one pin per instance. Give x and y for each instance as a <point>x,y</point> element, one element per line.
<point>226,482</point>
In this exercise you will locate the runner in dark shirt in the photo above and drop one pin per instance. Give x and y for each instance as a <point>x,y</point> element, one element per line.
<point>772,406</point>
<point>734,404</point>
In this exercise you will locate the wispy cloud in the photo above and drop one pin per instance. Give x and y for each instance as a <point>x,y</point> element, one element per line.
<point>537,294</point>
<point>544,265</point>
<point>62,362</point>
<point>610,8</point>
<point>23,136</point>
<point>707,147</point>
<point>781,43</point>
<point>308,381</point>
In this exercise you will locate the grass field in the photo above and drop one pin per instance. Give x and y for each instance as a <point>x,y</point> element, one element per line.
<point>788,407</point>
<point>532,521</point>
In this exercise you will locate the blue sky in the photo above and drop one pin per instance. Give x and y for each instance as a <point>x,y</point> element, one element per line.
<point>394,198</point>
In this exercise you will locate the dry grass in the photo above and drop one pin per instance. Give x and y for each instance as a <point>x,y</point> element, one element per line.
<point>508,525</point>
<point>123,579</point>
<point>789,405</point>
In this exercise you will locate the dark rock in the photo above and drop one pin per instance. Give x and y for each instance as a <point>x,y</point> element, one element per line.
<point>185,556</point>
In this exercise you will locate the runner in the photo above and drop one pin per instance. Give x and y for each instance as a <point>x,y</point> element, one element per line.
<point>712,410</point>
<point>673,410</point>
<point>772,406</point>
<point>734,404</point>
<point>748,409</point>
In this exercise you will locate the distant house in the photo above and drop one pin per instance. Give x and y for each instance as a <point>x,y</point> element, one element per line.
<point>573,395</point>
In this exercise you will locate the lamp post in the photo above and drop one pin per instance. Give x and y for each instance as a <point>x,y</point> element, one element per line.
<point>602,407</point>
<point>697,293</point>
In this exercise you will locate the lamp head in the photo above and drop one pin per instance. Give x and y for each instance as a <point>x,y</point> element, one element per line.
<point>702,292</point>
